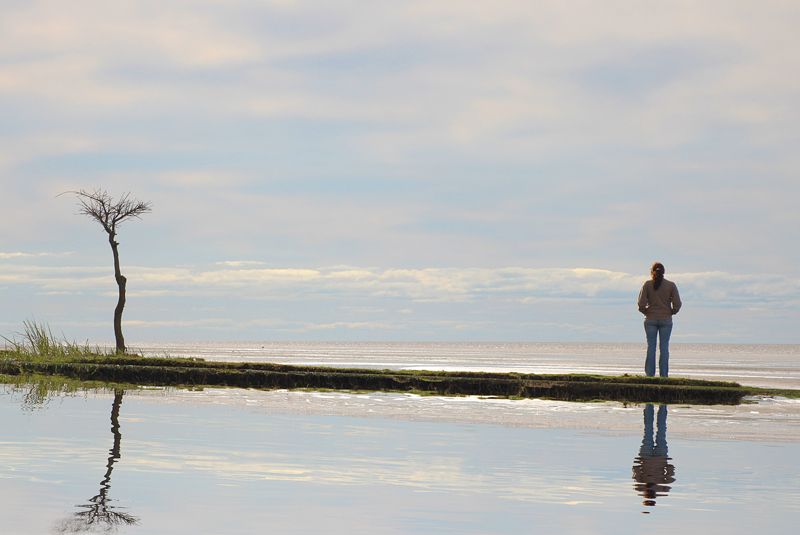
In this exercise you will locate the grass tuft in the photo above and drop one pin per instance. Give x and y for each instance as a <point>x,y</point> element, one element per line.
<point>37,342</point>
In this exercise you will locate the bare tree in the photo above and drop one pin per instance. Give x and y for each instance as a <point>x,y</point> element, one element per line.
<point>110,213</point>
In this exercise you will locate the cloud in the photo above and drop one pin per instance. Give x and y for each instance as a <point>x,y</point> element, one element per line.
<point>448,143</point>
<point>342,302</point>
<point>512,284</point>
<point>240,263</point>
<point>216,323</point>
<point>533,62</point>
<point>17,254</point>
<point>349,325</point>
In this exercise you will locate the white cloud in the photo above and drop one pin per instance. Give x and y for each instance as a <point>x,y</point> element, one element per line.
<point>430,96</point>
<point>58,278</point>
<point>222,179</point>
<point>249,277</point>
<point>404,135</point>
<point>349,325</point>
<point>217,323</point>
<point>240,263</point>
<point>18,254</point>
<point>504,284</point>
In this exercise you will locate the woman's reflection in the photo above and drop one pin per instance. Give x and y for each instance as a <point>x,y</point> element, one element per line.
<point>651,469</point>
<point>99,514</point>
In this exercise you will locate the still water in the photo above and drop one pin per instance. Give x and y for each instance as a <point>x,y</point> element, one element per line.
<point>230,461</point>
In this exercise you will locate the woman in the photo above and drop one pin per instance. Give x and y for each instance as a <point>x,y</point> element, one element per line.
<point>658,301</point>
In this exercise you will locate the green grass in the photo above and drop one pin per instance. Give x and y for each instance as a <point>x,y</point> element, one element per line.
<point>37,342</point>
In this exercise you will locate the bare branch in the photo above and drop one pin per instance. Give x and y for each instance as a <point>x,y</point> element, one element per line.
<point>100,206</point>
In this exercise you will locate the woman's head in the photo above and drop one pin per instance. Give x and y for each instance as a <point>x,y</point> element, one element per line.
<point>658,267</point>
<point>657,273</point>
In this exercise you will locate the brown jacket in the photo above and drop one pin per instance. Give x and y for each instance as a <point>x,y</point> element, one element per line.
<point>659,304</point>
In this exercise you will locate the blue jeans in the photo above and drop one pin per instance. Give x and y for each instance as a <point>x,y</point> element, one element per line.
<point>657,447</point>
<point>660,330</point>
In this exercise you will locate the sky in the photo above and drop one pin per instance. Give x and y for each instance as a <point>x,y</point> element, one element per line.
<point>416,170</point>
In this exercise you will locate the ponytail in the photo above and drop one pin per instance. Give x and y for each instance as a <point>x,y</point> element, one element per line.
<point>657,272</point>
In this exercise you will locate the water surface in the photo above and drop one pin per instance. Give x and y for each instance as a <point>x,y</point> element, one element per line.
<point>243,461</point>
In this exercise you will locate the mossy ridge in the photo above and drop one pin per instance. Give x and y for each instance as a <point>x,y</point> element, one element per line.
<point>82,364</point>
<point>39,352</point>
<point>194,373</point>
<point>266,366</point>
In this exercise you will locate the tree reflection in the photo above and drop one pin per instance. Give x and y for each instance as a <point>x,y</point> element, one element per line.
<point>652,470</point>
<point>99,515</point>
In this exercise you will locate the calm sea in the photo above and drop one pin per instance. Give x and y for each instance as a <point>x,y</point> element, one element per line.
<point>238,461</point>
<point>766,365</point>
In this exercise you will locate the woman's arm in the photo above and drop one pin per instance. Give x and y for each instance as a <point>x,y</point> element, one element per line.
<point>676,299</point>
<point>643,299</point>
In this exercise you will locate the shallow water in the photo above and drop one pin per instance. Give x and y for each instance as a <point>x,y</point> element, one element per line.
<point>242,461</point>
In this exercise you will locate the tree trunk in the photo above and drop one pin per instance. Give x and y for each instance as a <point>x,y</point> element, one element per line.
<point>121,281</point>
